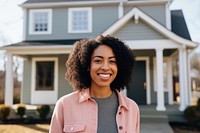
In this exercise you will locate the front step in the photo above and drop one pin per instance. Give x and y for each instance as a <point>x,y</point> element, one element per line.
<point>149,113</point>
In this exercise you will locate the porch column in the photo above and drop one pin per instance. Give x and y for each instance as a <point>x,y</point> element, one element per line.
<point>182,78</point>
<point>170,80</point>
<point>189,55</point>
<point>160,80</point>
<point>9,80</point>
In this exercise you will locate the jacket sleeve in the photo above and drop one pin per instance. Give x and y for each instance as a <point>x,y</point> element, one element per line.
<point>57,121</point>
<point>138,121</point>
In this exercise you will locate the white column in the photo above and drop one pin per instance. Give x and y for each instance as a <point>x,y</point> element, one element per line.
<point>160,80</point>
<point>189,78</point>
<point>182,79</point>
<point>186,76</point>
<point>169,80</point>
<point>120,10</point>
<point>9,80</point>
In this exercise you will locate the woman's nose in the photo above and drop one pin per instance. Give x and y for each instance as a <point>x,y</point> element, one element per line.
<point>105,66</point>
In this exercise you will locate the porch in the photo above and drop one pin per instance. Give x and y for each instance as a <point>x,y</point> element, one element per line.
<point>147,112</point>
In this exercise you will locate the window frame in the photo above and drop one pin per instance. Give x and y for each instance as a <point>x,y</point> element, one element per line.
<point>70,12</point>
<point>31,22</point>
<point>37,83</point>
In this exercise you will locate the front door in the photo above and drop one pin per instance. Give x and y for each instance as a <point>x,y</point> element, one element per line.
<point>136,89</point>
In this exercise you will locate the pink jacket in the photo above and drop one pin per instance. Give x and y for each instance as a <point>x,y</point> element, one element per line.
<point>77,112</point>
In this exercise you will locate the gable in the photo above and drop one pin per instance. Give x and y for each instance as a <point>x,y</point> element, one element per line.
<point>138,15</point>
<point>139,31</point>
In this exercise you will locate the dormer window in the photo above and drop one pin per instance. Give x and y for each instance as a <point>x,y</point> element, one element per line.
<point>80,20</point>
<point>40,21</point>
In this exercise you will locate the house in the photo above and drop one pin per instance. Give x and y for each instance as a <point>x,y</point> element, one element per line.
<point>159,38</point>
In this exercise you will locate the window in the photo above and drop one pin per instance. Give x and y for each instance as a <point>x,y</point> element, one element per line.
<point>80,20</point>
<point>40,21</point>
<point>44,75</point>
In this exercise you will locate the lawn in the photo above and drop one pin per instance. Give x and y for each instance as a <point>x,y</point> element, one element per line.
<point>44,128</point>
<point>25,128</point>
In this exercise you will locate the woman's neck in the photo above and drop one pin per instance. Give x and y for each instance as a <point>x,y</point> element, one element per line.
<point>102,92</point>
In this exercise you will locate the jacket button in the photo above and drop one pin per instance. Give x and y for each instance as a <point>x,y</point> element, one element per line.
<point>120,127</point>
<point>72,129</point>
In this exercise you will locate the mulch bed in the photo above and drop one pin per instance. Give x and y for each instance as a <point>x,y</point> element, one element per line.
<point>26,121</point>
<point>185,126</point>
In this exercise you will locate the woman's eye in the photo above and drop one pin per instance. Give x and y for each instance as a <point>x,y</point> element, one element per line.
<point>113,61</point>
<point>98,61</point>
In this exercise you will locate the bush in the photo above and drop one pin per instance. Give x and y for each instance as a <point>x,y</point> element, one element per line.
<point>29,120</point>
<point>43,111</point>
<point>21,110</point>
<point>192,113</point>
<point>4,112</point>
<point>189,114</point>
<point>198,104</point>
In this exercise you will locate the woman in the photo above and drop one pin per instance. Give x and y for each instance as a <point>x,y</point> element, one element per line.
<point>97,69</point>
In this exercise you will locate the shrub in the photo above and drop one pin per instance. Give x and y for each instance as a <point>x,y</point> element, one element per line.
<point>29,120</point>
<point>198,104</point>
<point>189,114</point>
<point>43,111</point>
<point>192,113</point>
<point>21,110</point>
<point>4,112</point>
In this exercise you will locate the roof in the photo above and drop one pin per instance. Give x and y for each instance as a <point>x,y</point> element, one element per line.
<point>48,1</point>
<point>138,14</point>
<point>60,3</point>
<point>43,43</point>
<point>179,25</point>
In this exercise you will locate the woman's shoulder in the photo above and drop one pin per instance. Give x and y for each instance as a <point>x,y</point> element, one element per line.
<point>130,102</point>
<point>69,97</point>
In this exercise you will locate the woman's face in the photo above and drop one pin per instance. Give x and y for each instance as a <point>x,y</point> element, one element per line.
<point>103,67</point>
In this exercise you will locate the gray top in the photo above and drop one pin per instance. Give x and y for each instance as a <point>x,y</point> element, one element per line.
<point>107,109</point>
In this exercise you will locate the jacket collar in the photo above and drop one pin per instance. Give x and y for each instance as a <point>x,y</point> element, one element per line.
<point>84,95</point>
<point>122,101</point>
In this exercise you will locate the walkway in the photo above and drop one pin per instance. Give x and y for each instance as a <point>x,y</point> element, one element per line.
<point>155,126</point>
<point>153,121</point>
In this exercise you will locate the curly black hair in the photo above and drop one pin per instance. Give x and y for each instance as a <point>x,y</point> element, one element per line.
<point>78,63</point>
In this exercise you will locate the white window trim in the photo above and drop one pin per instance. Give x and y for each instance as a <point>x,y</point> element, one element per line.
<point>33,75</point>
<point>70,10</point>
<point>49,30</point>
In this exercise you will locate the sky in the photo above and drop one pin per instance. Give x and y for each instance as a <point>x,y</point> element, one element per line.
<point>11,20</point>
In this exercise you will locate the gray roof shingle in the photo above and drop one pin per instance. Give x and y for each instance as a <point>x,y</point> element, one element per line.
<point>179,25</point>
<point>49,1</point>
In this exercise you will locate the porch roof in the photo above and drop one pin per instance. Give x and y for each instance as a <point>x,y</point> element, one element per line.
<point>38,47</point>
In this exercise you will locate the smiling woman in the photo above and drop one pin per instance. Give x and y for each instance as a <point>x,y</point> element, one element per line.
<point>97,69</point>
